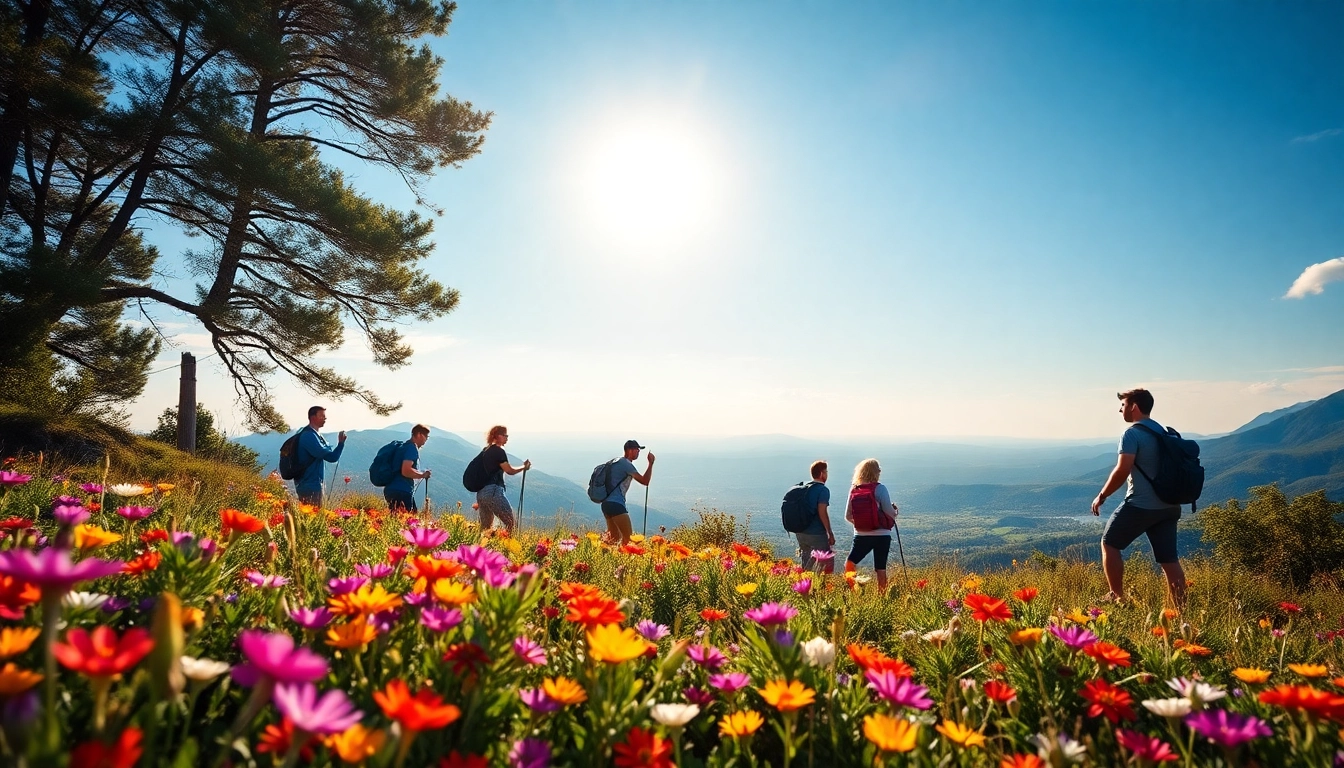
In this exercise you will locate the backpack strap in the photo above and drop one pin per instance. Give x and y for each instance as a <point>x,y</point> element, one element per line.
<point>1161,448</point>
<point>298,450</point>
<point>607,483</point>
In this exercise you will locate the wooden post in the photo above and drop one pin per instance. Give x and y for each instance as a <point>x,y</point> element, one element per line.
<point>186,405</point>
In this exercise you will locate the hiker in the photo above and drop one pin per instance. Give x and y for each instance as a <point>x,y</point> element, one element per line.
<point>490,499</point>
<point>1142,512</point>
<point>399,491</point>
<point>870,511</point>
<point>817,536</point>
<point>312,453</point>
<point>619,474</point>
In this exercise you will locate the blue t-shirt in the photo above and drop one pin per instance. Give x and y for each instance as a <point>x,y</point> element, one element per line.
<point>402,483</point>
<point>817,494</point>
<point>622,472</point>
<point>1146,451</point>
<point>314,451</point>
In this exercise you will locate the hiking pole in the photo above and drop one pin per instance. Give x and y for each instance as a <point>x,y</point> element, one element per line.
<point>331,483</point>
<point>905,571</point>
<point>521,491</point>
<point>427,494</point>
<point>645,530</point>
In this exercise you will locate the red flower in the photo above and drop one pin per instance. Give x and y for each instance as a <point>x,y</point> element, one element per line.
<point>550,611</point>
<point>1321,704</point>
<point>15,596</point>
<point>1022,761</point>
<point>594,610</point>
<point>16,523</point>
<point>1108,655</point>
<point>1026,594</point>
<point>123,753</point>
<point>456,759</point>
<point>102,654</point>
<point>143,564</point>
<point>922,583</point>
<point>646,585</point>
<point>870,659</point>
<point>277,519</point>
<point>153,535</point>
<point>396,554</point>
<point>232,520</point>
<point>277,738</point>
<point>465,657</point>
<point>1290,607</point>
<point>643,749</point>
<point>422,712</point>
<point>713,614</point>
<point>999,691</point>
<point>1112,702</point>
<point>985,608</point>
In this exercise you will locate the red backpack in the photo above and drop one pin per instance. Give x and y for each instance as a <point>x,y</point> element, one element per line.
<point>867,512</point>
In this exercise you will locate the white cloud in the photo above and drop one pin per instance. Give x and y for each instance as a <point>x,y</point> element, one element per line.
<point>1317,136</point>
<point>1313,279</point>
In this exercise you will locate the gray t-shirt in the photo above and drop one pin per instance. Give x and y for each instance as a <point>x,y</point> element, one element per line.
<point>1145,448</point>
<point>622,472</point>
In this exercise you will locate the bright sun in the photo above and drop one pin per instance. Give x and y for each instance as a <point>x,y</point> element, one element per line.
<point>651,180</point>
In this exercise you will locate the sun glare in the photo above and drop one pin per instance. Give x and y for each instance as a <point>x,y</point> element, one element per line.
<point>652,181</point>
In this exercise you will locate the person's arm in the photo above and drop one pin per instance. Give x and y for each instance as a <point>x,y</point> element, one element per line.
<point>1123,466</point>
<point>334,454</point>
<point>826,522</point>
<point>849,513</point>
<point>883,495</point>
<point>509,469</point>
<point>310,445</point>
<point>648,473</point>
<point>408,470</point>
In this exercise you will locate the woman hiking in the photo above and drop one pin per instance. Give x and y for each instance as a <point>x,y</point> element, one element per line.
<point>870,511</point>
<point>490,500</point>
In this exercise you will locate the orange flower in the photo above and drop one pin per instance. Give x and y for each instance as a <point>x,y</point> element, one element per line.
<point>1192,649</point>
<point>1252,675</point>
<point>1108,655</point>
<point>747,554</point>
<point>1309,670</point>
<point>1159,631</point>
<point>713,614</point>
<point>352,634</point>
<point>890,734</point>
<point>570,590</point>
<point>632,549</point>
<point>366,601</point>
<point>14,680</point>
<point>985,608</point>
<point>614,645</point>
<point>277,738</point>
<point>787,696</point>
<point>143,564</point>
<point>871,659</point>
<point>452,592</point>
<point>232,520</point>
<point>102,653</point>
<point>1307,699</point>
<point>426,569</point>
<point>1022,761</point>
<point>594,610</point>
<point>999,691</point>
<point>16,640</point>
<point>679,551</point>
<point>563,691</point>
<point>740,724</point>
<point>643,749</point>
<point>123,753</point>
<point>1026,594</point>
<point>423,712</point>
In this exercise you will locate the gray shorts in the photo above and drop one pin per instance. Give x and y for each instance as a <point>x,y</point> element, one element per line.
<point>1128,522</point>
<point>808,542</point>
<point>491,503</point>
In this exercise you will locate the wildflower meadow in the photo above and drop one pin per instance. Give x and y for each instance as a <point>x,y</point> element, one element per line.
<point>145,624</point>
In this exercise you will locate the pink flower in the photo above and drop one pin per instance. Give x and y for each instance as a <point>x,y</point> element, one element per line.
<point>68,510</point>
<point>272,657</point>
<point>90,487</point>
<point>822,556</point>
<point>1227,729</point>
<point>730,682</point>
<point>13,478</point>
<point>901,691</point>
<point>332,713</point>
<point>440,619</point>
<point>771,614</point>
<point>1075,637</point>
<point>698,697</point>
<point>707,656</point>
<point>425,538</point>
<point>52,570</point>
<point>311,618</point>
<point>1145,748</point>
<point>375,571</point>
<point>346,584</point>
<point>537,700</point>
<point>652,630</point>
<point>529,651</point>
<point>802,586</point>
<point>265,580</point>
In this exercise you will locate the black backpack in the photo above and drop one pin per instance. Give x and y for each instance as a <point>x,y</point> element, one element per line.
<point>289,458</point>
<point>795,510</point>
<point>476,476</point>
<point>1180,478</point>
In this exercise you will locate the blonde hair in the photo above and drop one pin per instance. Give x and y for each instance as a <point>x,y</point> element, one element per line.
<point>498,429</point>
<point>867,472</point>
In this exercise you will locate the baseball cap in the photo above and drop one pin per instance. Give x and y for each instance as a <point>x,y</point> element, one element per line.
<point>633,444</point>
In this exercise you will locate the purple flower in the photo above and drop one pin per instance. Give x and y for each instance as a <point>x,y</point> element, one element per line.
<point>481,559</point>
<point>1227,729</point>
<point>530,753</point>
<point>652,630</point>
<point>537,700</point>
<point>52,570</point>
<point>694,578</point>
<point>784,638</point>
<point>345,585</point>
<point>68,510</point>
<point>529,651</point>
<point>1074,636</point>
<point>208,548</point>
<point>697,696</point>
<point>823,555</point>
<point>425,538</point>
<point>416,598</point>
<point>21,710</point>
<point>311,618</point>
<point>375,571</point>
<point>771,614</point>
<point>272,657</point>
<point>842,679</point>
<point>901,691</point>
<point>90,487</point>
<point>116,603</point>
<point>346,514</point>
<point>14,478</point>
<point>181,538</point>
<point>135,513</point>
<point>332,713</point>
<point>498,577</point>
<point>265,580</point>
<point>802,586</point>
<point>383,621</point>
<point>707,656</point>
<point>439,619</point>
<point>953,605</point>
<point>730,682</point>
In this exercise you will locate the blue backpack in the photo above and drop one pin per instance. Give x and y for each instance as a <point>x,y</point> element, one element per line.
<point>386,465</point>
<point>794,511</point>
<point>599,483</point>
<point>1180,477</point>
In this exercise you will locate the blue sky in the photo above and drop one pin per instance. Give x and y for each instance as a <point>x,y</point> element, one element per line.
<point>912,219</point>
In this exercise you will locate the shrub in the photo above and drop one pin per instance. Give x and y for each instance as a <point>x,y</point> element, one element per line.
<point>1287,541</point>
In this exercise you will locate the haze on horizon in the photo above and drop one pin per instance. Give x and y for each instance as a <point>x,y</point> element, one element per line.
<point>871,220</point>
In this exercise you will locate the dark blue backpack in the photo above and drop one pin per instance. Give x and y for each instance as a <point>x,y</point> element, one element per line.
<point>1180,477</point>
<point>386,464</point>
<point>290,467</point>
<point>795,510</point>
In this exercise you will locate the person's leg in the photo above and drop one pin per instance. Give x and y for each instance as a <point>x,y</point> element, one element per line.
<point>485,508</point>
<point>862,546</point>
<point>611,509</point>
<point>809,543</point>
<point>1162,535</point>
<point>881,549</point>
<point>1113,565</point>
<point>1122,528</point>
<point>311,496</point>
<point>504,511</point>
<point>624,528</point>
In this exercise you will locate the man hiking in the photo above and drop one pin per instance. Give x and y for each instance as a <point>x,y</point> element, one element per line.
<point>313,451</point>
<point>398,493</point>
<point>817,536</point>
<point>614,509</point>
<point>1142,512</point>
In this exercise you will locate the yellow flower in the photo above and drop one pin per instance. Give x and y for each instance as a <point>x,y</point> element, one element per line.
<point>747,589</point>
<point>513,545</point>
<point>1309,670</point>
<point>1251,675</point>
<point>636,537</point>
<point>594,537</point>
<point>614,645</point>
<point>787,696</point>
<point>454,592</point>
<point>739,724</point>
<point>356,744</point>
<point>354,634</point>
<point>14,681</point>
<point>890,734</point>
<point>165,487</point>
<point>1078,617</point>
<point>1266,624</point>
<point>963,735</point>
<point>91,537</point>
<point>365,601</point>
<point>971,583</point>
<point>16,640</point>
<point>1028,637</point>
<point>308,509</point>
<point>563,691</point>
<point>192,618</point>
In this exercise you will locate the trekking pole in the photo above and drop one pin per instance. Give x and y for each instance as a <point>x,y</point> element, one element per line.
<point>331,483</point>
<point>427,495</point>
<point>521,491</point>
<point>645,530</point>
<point>905,571</point>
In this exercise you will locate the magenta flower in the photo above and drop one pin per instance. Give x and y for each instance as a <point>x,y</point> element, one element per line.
<point>265,580</point>
<point>311,618</point>
<point>481,559</point>
<point>272,657</point>
<point>694,578</point>
<point>698,697</point>
<point>530,753</point>
<point>375,571</point>
<point>439,619</point>
<point>425,538</point>
<point>383,621</point>
<point>68,510</point>
<point>52,570</point>
<point>135,513</point>
<point>802,586</point>
<point>1075,637</point>
<point>1227,729</point>
<point>707,656</point>
<point>346,584</point>
<point>1146,748</point>
<point>771,614</point>
<point>529,651</point>
<point>90,487</point>
<point>416,598</point>
<point>652,630</point>
<point>537,700</point>
<point>730,682</point>
<point>498,577</point>
<point>822,556</point>
<point>332,713</point>
<point>568,545</point>
<point>13,478</point>
<point>901,691</point>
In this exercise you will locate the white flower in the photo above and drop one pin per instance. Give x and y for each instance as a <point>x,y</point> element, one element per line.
<point>128,490</point>
<point>1197,692</point>
<point>674,715</point>
<point>938,637</point>
<point>1168,707</point>
<point>84,600</point>
<point>1067,750</point>
<point>203,670</point>
<point>819,652</point>
<point>909,635</point>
